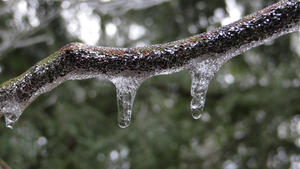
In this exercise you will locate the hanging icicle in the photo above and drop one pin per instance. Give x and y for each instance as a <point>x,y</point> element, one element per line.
<point>126,88</point>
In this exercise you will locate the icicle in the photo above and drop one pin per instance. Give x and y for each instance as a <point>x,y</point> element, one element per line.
<point>202,72</point>
<point>11,118</point>
<point>126,90</point>
<point>11,110</point>
<point>198,92</point>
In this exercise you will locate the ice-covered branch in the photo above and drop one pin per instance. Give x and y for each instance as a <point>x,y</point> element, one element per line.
<point>127,68</point>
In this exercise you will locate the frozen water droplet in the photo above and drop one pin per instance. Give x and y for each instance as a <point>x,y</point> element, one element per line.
<point>157,52</point>
<point>202,72</point>
<point>170,50</point>
<point>11,111</point>
<point>197,112</point>
<point>11,118</point>
<point>126,90</point>
<point>193,44</point>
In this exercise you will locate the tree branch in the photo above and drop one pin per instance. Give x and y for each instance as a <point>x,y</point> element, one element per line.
<point>3,165</point>
<point>80,61</point>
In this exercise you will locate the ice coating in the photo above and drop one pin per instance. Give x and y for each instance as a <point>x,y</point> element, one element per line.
<point>126,88</point>
<point>199,88</point>
<point>80,61</point>
<point>11,118</point>
<point>202,72</point>
<point>12,115</point>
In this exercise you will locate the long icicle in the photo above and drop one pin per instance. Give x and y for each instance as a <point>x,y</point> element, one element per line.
<point>126,88</point>
<point>202,73</point>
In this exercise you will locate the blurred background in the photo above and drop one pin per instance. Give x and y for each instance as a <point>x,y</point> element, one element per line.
<point>251,118</point>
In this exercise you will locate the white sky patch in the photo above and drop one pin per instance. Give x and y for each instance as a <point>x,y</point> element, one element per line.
<point>295,162</point>
<point>203,22</point>
<point>136,31</point>
<point>234,10</point>
<point>141,43</point>
<point>83,23</point>
<point>42,141</point>
<point>110,29</point>
<point>230,165</point>
<point>22,9</point>
<point>219,15</point>
<point>229,78</point>
<point>295,41</point>
<point>124,152</point>
<point>33,19</point>
<point>297,142</point>
<point>200,5</point>
<point>65,4</point>
<point>114,155</point>
<point>226,79</point>
<point>298,127</point>
<point>282,130</point>
<point>193,29</point>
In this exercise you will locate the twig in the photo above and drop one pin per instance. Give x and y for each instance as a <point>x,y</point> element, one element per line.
<point>3,165</point>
